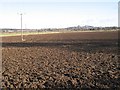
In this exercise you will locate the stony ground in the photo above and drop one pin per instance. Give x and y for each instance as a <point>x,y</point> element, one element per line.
<point>66,60</point>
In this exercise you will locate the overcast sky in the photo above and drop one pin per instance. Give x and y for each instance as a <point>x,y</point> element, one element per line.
<point>58,13</point>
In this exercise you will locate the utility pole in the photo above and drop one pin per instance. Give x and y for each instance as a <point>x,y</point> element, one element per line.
<point>21,25</point>
<point>21,28</point>
<point>21,19</point>
<point>119,14</point>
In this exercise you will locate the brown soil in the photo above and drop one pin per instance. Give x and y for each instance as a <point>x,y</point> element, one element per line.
<point>64,60</point>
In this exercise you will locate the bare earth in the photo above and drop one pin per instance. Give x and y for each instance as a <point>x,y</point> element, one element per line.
<point>61,60</point>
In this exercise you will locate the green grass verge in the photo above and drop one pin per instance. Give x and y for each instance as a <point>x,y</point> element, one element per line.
<point>33,33</point>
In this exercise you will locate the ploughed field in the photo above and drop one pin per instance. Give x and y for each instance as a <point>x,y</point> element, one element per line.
<point>62,60</point>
